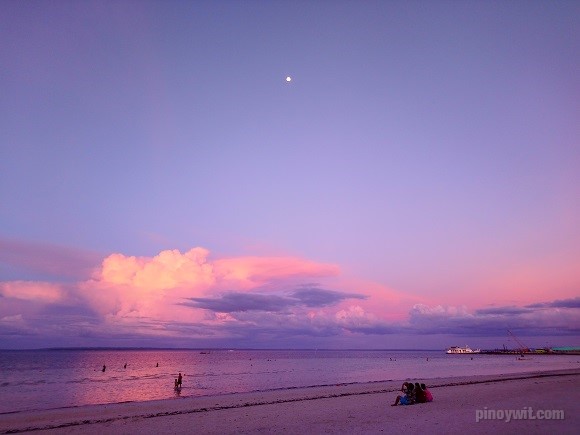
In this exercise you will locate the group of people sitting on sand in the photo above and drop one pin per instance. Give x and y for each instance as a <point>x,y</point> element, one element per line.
<point>413,393</point>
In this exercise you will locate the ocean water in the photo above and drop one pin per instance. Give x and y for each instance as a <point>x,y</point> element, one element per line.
<point>44,379</point>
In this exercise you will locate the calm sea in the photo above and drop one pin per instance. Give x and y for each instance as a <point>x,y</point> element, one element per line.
<point>43,379</point>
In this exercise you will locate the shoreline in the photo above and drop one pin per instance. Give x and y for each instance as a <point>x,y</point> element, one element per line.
<point>132,415</point>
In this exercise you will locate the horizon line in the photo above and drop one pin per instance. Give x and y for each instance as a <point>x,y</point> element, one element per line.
<point>214,348</point>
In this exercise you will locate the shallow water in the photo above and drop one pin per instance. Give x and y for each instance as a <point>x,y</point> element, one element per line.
<point>43,379</point>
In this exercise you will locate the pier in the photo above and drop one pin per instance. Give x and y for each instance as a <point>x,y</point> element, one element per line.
<point>542,351</point>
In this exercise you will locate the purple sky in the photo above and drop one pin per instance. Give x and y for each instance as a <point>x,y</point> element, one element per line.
<point>416,184</point>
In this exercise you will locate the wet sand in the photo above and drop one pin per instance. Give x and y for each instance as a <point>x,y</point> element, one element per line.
<point>352,408</point>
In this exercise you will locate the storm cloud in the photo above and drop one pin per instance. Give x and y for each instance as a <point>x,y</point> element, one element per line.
<point>232,302</point>
<point>546,318</point>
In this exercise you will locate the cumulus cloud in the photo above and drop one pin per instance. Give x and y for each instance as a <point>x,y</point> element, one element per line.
<point>167,270</point>
<point>129,286</point>
<point>193,270</point>
<point>150,295</point>
<point>183,296</point>
<point>160,286</point>
<point>352,315</point>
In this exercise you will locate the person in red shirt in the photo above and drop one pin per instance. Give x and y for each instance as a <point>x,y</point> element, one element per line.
<point>428,395</point>
<point>420,396</point>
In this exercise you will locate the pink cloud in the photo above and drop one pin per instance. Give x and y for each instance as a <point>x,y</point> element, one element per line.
<point>171,288</point>
<point>155,287</point>
<point>171,269</point>
<point>32,291</point>
<point>167,270</point>
<point>183,296</point>
<point>251,272</point>
<point>382,301</point>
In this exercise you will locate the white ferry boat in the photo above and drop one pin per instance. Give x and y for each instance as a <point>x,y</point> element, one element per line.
<point>459,349</point>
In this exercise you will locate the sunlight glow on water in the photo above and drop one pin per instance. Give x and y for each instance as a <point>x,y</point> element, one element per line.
<point>59,378</point>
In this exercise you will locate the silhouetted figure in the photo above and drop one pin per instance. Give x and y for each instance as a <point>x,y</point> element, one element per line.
<point>125,366</point>
<point>420,394</point>
<point>104,368</point>
<point>157,365</point>
<point>179,380</point>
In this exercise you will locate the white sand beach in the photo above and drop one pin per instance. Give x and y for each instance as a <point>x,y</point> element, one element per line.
<point>355,408</point>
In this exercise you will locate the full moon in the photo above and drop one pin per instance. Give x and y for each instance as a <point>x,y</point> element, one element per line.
<point>288,78</point>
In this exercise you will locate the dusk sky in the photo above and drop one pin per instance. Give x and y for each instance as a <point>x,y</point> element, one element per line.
<point>416,184</point>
